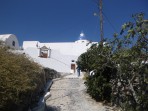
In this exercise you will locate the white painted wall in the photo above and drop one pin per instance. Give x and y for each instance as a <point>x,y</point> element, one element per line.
<point>66,48</point>
<point>62,53</point>
<point>57,61</point>
<point>8,39</point>
<point>27,44</point>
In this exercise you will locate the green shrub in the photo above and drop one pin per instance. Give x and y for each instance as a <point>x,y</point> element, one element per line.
<point>97,58</point>
<point>99,86</point>
<point>130,87</point>
<point>121,69</point>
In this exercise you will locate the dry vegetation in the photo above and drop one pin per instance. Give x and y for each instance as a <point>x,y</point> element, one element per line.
<point>22,81</point>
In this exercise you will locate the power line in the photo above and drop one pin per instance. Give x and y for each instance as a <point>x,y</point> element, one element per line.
<point>109,22</point>
<point>101,14</point>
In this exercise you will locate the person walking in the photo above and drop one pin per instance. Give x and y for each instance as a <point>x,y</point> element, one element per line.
<point>78,71</point>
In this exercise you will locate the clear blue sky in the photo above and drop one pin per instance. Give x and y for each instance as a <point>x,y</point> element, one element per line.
<point>63,20</point>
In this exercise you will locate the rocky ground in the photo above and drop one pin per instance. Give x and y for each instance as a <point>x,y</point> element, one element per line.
<point>69,94</point>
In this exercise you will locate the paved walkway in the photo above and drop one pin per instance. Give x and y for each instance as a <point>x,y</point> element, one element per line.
<point>68,94</point>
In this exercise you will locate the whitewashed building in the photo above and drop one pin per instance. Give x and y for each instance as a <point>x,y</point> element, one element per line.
<point>61,56</point>
<point>10,40</point>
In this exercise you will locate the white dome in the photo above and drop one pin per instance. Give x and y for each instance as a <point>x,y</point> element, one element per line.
<point>82,41</point>
<point>10,40</point>
<point>4,37</point>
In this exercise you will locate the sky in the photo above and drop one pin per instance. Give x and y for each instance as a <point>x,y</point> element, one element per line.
<point>64,20</point>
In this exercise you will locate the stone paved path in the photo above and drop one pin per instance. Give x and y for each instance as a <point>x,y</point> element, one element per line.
<point>68,94</point>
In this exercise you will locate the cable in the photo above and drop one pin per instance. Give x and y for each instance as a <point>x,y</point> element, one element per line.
<point>97,2</point>
<point>109,22</point>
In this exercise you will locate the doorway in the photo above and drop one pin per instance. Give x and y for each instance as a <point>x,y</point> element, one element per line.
<point>73,67</point>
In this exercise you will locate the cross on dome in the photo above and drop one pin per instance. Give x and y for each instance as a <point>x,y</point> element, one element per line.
<point>82,36</point>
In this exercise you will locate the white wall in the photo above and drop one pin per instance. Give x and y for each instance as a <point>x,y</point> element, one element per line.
<point>57,61</point>
<point>8,39</point>
<point>66,48</point>
<point>27,44</point>
<point>62,53</point>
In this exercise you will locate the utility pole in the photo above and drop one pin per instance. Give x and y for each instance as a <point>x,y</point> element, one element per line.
<point>101,20</point>
<point>100,14</point>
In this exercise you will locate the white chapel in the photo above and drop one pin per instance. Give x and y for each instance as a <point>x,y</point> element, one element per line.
<point>10,41</point>
<point>61,56</point>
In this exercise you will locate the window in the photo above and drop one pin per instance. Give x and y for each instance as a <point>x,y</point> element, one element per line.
<point>13,43</point>
<point>44,52</point>
<point>72,60</point>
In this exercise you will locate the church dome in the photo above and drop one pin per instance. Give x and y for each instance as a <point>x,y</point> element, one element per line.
<point>10,40</point>
<point>82,38</point>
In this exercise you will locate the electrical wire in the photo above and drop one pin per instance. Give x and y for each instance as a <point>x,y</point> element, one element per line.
<point>109,22</point>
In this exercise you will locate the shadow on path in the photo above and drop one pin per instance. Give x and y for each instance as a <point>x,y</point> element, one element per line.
<point>53,108</point>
